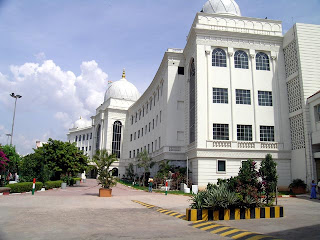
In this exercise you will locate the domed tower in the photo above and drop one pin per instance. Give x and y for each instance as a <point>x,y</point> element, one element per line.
<point>229,7</point>
<point>122,89</point>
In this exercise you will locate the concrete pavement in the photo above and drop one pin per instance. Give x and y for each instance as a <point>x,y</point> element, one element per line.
<point>78,213</point>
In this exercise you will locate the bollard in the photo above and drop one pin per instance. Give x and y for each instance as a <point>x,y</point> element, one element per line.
<point>166,187</point>
<point>33,186</point>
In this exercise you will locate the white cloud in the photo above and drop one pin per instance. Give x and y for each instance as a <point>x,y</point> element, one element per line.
<point>47,89</point>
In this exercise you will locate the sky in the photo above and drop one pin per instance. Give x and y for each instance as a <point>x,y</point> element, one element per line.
<point>59,55</point>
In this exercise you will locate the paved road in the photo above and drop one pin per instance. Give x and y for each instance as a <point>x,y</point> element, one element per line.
<point>78,213</point>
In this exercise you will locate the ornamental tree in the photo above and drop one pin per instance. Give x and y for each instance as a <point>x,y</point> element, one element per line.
<point>248,185</point>
<point>145,162</point>
<point>13,156</point>
<point>268,173</point>
<point>3,164</point>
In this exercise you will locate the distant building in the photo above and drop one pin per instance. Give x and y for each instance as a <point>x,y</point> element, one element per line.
<point>239,89</point>
<point>40,144</point>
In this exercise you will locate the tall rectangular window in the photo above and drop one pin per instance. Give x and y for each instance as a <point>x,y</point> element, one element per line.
<point>160,115</point>
<point>134,153</point>
<point>243,97</point>
<point>90,135</point>
<point>155,144</point>
<point>138,133</point>
<point>139,114</point>
<point>132,120</point>
<point>135,135</point>
<point>154,100</point>
<point>130,137</point>
<point>87,136</point>
<point>220,95</point>
<point>136,117</point>
<point>148,148</point>
<point>152,123</point>
<point>267,133</point>
<point>146,129</point>
<point>316,113</point>
<point>149,126</point>
<point>150,104</point>
<point>143,111</point>
<point>80,138</point>
<point>152,147</point>
<point>157,120</point>
<point>147,108</point>
<point>265,98</point>
<point>129,154</point>
<point>220,131</point>
<point>141,132</point>
<point>244,132</point>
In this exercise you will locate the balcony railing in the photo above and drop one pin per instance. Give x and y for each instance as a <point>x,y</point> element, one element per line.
<point>244,145</point>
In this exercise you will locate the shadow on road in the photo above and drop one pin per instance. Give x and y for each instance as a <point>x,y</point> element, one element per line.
<point>310,233</point>
<point>92,194</point>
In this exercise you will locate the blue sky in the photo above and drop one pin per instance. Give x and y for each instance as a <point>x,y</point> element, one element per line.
<point>51,51</point>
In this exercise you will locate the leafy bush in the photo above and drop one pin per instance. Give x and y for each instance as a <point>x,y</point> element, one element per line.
<point>220,198</point>
<point>52,184</point>
<point>24,187</point>
<point>198,200</point>
<point>297,183</point>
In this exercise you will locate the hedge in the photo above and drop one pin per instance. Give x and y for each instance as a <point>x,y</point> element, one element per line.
<point>53,184</point>
<point>24,187</point>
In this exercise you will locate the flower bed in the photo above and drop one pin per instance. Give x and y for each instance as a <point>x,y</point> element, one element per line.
<point>234,213</point>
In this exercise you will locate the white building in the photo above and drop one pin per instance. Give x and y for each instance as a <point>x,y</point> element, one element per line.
<point>239,89</point>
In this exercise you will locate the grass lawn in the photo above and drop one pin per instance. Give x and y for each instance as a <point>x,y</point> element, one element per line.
<point>176,192</point>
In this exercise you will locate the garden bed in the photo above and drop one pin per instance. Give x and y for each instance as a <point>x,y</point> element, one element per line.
<point>234,213</point>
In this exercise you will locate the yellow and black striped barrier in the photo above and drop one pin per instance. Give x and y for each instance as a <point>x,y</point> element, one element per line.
<point>234,214</point>
<point>230,232</point>
<point>162,210</point>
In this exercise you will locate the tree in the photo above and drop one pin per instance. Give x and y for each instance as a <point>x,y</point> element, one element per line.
<point>13,156</point>
<point>145,162</point>
<point>248,185</point>
<point>63,158</point>
<point>268,173</point>
<point>52,160</point>
<point>130,171</point>
<point>104,161</point>
<point>4,161</point>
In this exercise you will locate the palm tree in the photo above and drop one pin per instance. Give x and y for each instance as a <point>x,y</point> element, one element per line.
<point>104,161</point>
<point>145,162</point>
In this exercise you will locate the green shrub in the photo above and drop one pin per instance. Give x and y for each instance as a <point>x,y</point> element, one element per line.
<point>298,183</point>
<point>52,184</point>
<point>24,187</point>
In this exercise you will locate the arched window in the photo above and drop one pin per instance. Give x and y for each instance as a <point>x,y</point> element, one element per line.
<point>192,102</point>
<point>116,138</point>
<point>98,137</point>
<point>241,60</point>
<point>262,61</point>
<point>219,58</point>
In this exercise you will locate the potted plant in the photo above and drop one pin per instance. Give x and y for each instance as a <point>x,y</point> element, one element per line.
<point>298,186</point>
<point>103,161</point>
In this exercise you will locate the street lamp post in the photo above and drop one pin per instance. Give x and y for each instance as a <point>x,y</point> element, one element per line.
<point>8,135</point>
<point>14,112</point>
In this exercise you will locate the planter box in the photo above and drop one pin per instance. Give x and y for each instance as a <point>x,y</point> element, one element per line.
<point>63,185</point>
<point>234,214</point>
<point>298,190</point>
<point>103,192</point>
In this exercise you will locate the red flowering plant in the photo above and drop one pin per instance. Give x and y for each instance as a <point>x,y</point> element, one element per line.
<point>3,163</point>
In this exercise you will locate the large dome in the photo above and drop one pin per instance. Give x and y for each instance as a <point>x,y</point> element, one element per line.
<point>222,6</point>
<point>122,89</point>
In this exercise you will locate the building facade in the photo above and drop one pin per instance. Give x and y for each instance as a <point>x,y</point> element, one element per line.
<point>239,89</point>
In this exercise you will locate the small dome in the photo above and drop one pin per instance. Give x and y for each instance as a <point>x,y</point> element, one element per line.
<point>82,123</point>
<point>122,89</point>
<point>222,6</point>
